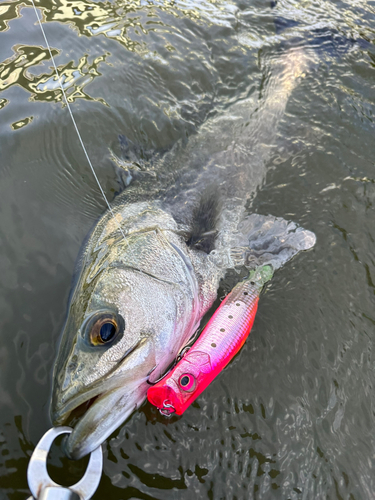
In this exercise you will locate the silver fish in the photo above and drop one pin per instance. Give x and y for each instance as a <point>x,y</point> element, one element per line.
<point>137,300</point>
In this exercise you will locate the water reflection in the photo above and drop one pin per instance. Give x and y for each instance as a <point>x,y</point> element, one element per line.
<point>13,480</point>
<point>22,123</point>
<point>124,21</point>
<point>9,11</point>
<point>3,102</point>
<point>145,28</point>
<point>45,86</point>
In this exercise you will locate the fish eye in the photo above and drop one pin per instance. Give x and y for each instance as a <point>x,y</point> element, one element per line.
<point>107,331</point>
<point>103,328</point>
<point>187,382</point>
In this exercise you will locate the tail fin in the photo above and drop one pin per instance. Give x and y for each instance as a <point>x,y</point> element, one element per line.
<point>324,40</point>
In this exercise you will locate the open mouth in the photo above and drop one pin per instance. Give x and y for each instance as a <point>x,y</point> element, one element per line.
<point>97,417</point>
<point>77,413</point>
<point>73,407</point>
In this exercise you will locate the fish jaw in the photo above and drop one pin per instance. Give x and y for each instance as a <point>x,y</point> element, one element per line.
<point>65,402</point>
<point>122,393</point>
<point>116,394</point>
<point>107,413</point>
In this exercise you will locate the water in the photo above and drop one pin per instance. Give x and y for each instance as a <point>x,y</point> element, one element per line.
<point>293,414</point>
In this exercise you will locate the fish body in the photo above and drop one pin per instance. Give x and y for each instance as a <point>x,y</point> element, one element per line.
<point>218,343</point>
<point>140,293</point>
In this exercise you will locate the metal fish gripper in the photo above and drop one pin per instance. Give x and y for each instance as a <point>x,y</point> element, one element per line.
<point>43,487</point>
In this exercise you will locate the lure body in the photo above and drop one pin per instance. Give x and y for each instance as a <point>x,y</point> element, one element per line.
<point>218,343</point>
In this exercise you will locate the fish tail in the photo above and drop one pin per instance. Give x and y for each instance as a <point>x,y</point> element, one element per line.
<point>327,42</point>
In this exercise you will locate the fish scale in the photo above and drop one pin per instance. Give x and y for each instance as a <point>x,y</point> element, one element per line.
<point>218,343</point>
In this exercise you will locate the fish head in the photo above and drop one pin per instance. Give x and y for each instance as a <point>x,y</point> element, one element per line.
<point>135,304</point>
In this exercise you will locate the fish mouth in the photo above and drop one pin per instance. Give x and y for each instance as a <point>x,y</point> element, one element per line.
<point>72,416</point>
<point>63,406</point>
<point>96,411</point>
<point>96,416</point>
<point>74,408</point>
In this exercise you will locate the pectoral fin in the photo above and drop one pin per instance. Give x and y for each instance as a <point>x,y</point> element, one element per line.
<point>264,239</point>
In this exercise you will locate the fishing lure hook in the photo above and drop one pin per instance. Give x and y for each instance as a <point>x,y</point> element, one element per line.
<point>180,355</point>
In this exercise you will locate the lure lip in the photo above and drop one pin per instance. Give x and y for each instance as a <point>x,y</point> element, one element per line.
<point>165,400</point>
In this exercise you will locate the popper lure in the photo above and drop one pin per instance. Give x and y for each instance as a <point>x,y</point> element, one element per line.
<point>218,343</point>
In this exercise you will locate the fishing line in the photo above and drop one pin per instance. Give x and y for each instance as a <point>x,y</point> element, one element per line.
<point>73,120</point>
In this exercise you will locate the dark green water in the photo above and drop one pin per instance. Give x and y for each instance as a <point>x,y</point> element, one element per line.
<point>292,417</point>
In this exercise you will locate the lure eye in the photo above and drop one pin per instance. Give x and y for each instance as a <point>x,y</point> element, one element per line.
<point>187,382</point>
<point>103,328</point>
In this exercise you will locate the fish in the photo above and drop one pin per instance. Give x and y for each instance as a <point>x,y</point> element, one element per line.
<point>219,342</point>
<point>149,271</point>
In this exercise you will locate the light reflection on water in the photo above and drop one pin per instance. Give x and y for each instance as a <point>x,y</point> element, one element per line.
<point>45,87</point>
<point>293,415</point>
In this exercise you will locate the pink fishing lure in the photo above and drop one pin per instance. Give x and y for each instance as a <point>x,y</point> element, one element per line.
<point>218,343</point>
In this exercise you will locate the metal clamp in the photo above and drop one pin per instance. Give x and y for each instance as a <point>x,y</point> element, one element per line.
<point>43,487</point>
